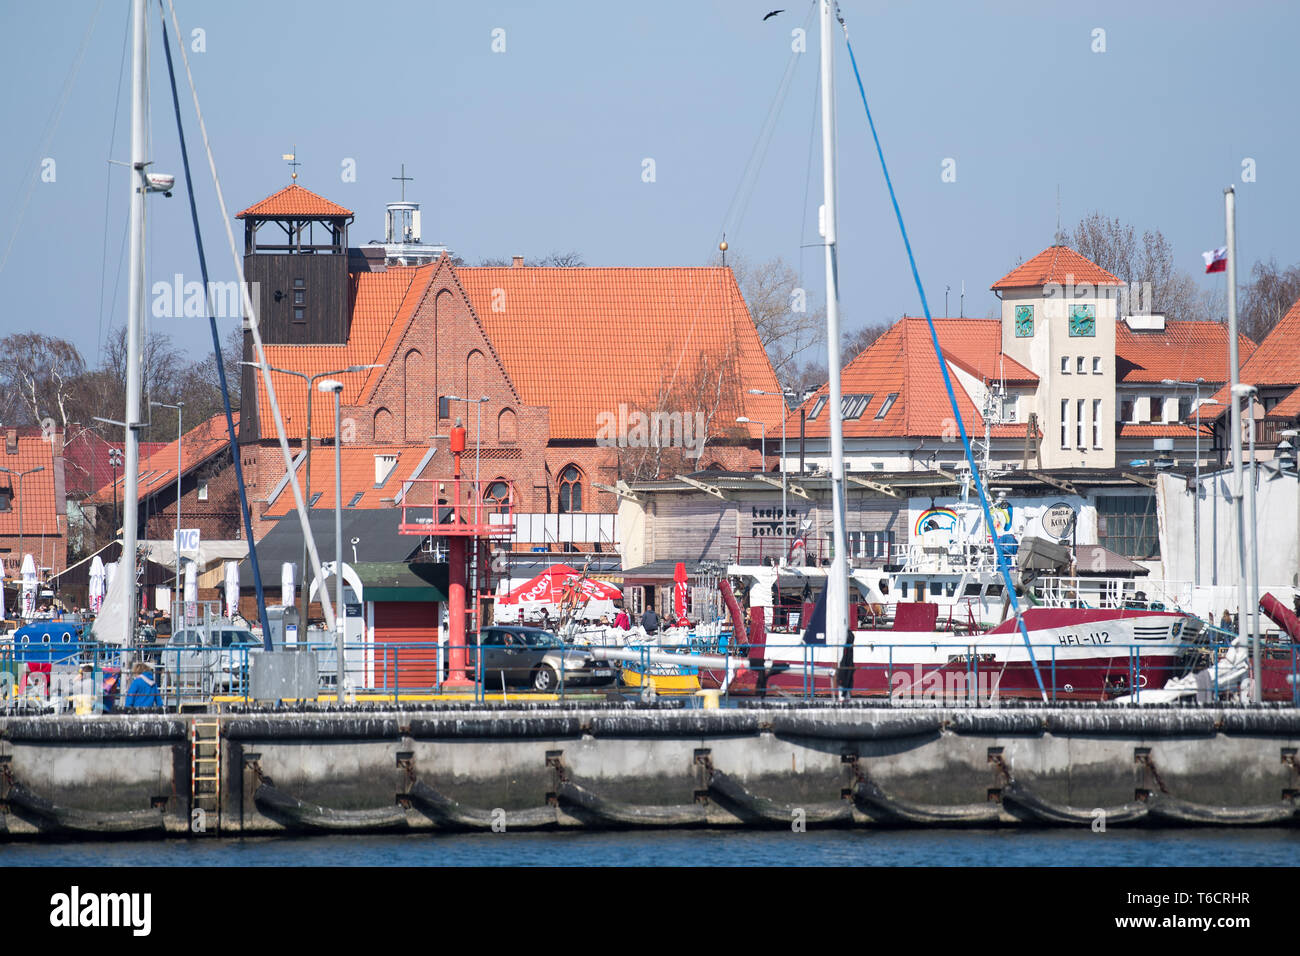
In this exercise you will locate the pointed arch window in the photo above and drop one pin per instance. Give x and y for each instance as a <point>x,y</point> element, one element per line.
<point>570,489</point>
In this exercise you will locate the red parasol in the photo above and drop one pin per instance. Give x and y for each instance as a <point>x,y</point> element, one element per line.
<point>679,594</point>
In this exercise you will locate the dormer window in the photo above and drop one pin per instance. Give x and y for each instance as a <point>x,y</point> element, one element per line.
<point>384,465</point>
<point>817,407</point>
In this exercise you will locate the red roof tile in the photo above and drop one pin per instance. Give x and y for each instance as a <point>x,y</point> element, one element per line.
<point>158,469</point>
<point>902,361</point>
<point>1275,362</point>
<point>1056,264</point>
<point>1184,351</point>
<point>358,467</point>
<point>1288,408</point>
<point>1165,430</point>
<point>40,509</point>
<point>584,340</point>
<point>294,201</point>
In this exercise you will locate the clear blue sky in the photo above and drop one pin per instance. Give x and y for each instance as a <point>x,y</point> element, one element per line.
<point>540,148</point>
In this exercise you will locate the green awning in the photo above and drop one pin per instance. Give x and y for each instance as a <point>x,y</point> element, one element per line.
<point>394,581</point>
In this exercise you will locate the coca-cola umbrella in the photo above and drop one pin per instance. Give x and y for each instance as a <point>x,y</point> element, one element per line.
<point>554,586</point>
<point>679,595</point>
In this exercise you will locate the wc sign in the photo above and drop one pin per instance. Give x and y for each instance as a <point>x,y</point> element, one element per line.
<point>186,540</point>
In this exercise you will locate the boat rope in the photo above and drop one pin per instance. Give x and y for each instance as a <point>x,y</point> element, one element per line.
<point>1004,566</point>
<point>327,606</point>
<point>108,195</point>
<point>216,351</point>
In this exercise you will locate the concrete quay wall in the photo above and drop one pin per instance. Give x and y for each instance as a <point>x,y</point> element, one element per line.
<point>479,767</point>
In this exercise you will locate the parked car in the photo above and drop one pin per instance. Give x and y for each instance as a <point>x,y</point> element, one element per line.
<point>513,655</point>
<point>212,661</point>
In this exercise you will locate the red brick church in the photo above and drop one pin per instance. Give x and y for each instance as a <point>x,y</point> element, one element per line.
<point>566,358</point>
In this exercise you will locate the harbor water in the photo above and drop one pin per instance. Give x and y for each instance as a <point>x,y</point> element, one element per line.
<point>1063,848</point>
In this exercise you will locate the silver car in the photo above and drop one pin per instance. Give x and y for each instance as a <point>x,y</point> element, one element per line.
<point>532,656</point>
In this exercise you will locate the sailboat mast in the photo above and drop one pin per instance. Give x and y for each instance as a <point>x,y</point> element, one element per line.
<point>135,313</point>
<point>837,604</point>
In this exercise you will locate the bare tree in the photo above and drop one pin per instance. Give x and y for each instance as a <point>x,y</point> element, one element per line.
<point>787,325</point>
<point>1268,296</point>
<point>571,259</point>
<point>1149,262</point>
<point>40,377</point>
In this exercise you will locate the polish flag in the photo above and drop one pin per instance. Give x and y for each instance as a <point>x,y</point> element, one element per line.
<point>1216,260</point>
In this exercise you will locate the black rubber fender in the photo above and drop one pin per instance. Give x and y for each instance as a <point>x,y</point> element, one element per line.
<point>731,793</point>
<point>1171,810</point>
<point>48,816</point>
<point>449,814</point>
<point>300,815</point>
<point>589,806</point>
<point>1273,723</point>
<point>514,726</point>
<point>994,723</point>
<point>715,723</point>
<point>864,726</point>
<point>875,802</point>
<point>1015,796</point>
<point>70,729</point>
<point>1131,723</point>
<point>312,727</point>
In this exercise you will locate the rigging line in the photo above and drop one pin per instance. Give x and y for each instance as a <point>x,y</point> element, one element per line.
<point>216,346</point>
<point>51,127</point>
<point>808,173</point>
<point>327,606</point>
<point>1003,565</point>
<point>108,192</point>
<point>753,165</point>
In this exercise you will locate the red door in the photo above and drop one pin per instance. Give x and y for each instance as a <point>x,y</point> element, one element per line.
<point>406,652</point>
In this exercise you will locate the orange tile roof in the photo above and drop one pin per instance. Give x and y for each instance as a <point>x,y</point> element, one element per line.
<point>158,470</point>
<point>358,467</point>
<point>381,303</point>
<point>1160,430</point>
<point>1058,264</point>
<point>584,340</point>
<point>40,508</point>
<point>294,201</point>
<point>1275,362</point>
<point>1184,351</point>
<point>975,346</point>
<point>902,361</point>
<point>1288,408</point>
<point>662,320</point>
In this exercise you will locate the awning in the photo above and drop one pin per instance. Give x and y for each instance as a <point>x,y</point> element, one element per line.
<point>386,581</point>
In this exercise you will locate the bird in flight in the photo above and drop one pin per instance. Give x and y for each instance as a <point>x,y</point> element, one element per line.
<point>772,14</point>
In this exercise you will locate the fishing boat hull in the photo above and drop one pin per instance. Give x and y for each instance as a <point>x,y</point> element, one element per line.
<point>665,682</point>
<point>1081,654</point>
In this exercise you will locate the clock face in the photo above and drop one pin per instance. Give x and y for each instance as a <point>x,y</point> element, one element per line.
<point>1024,321</point>
<point>1083,320</point>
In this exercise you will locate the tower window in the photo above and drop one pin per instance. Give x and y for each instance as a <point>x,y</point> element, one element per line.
<point>300,315</point>
<point>299,284</point>
<point>299,297</point>
<point>570,490</point>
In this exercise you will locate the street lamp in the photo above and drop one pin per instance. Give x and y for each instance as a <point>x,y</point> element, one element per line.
<point>176,540</point>
<point>1249,392</point>
<point>21,475</point>
<point>784,515</point>
<point>340,612</point>
<point>1196,510</point>
<point>306,497</point>
<point>762,435</point>
<point>115,462</point>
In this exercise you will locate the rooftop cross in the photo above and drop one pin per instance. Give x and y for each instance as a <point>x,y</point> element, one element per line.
<point>404,180</point>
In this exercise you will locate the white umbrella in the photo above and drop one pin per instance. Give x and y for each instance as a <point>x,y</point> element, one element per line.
<point>232,588</point>
<point>286,583</point>
<point>191,591</point>
<point>29,586</point>
<point>97,585</point>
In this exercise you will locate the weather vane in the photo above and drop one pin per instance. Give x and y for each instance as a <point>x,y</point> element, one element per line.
<point>292,160</point>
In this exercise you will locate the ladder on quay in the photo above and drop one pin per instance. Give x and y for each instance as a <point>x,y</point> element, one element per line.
<point>205,775</point>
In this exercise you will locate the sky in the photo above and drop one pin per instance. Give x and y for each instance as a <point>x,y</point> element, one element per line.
<point>542,146</point>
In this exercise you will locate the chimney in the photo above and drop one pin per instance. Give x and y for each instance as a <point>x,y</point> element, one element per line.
<point>518,262</point>
<point>11,441</point>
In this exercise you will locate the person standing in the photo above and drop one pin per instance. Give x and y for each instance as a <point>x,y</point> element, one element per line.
<point>143,691</point>
<point>650,621</point>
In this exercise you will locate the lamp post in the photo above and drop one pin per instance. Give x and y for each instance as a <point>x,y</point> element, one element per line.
<point>1196,507</point>
<point>115,462</point>
<point>21,475</point>
<point>785,543</point>
<point>340,613</point>
<point>1248,392</point>
<point>306,494</point>
<point>176,539</point>
<point>762,437</point>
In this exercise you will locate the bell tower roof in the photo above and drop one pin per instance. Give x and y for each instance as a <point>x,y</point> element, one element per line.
<point>295,202</point>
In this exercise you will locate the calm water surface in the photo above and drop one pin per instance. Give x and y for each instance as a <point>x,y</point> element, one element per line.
<point>1208,847</point>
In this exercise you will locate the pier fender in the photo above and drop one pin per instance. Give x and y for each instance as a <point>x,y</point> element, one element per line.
<point>585,805</point>
<point>1131,723</point>
<point>748,806</point>
<point>879,728</point>
<point>295,814</point>
<point>450,815</point>
<point>1279,723</point>
<point>1167,809</point>
<point>70,729</point>
<point>712,723</point>
<point>1023,802</point>
<point>995,724</point>
<point>514,727</point>
<point>311,727</point>
<point>47,816</point>
<point>876,803</point>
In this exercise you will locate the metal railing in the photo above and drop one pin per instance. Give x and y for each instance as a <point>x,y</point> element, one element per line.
<point>960,673</point>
